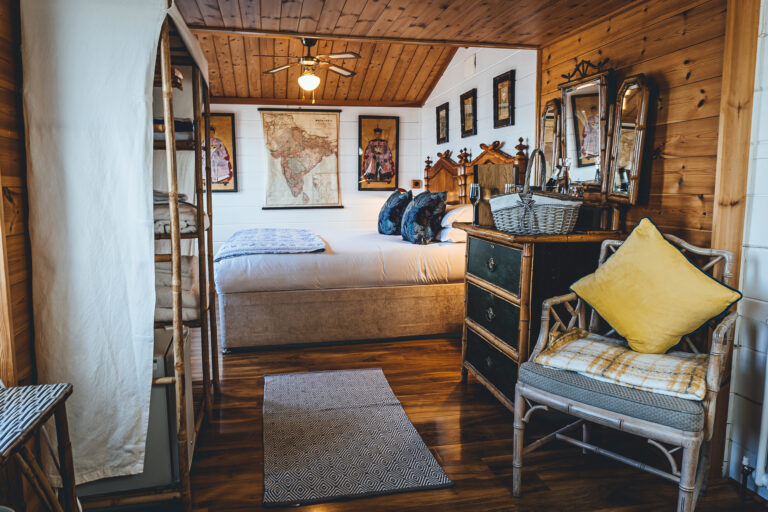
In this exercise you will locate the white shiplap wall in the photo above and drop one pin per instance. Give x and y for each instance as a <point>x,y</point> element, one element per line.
<point>241,210</point>
<point>489,63</point>
<point>749,361</point>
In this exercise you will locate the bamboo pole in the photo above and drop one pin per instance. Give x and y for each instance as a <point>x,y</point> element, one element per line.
<point>202,259</point>
<point>66,465</point>
<point>36,485</point>
<point>37,473</point>
<point>209,209</point>
<point>178,327</point>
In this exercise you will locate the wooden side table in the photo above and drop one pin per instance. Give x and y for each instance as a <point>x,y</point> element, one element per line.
<point>23,411</point>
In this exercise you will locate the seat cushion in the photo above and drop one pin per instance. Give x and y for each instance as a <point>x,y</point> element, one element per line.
<point>687,415</point>
<point>651,293</point>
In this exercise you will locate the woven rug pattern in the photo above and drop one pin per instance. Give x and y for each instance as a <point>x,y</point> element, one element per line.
<point>340,434</point>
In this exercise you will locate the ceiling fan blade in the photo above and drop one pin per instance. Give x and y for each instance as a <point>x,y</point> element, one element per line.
<point>338,69</point>
<point>279,68</point>
<point>343,55</point>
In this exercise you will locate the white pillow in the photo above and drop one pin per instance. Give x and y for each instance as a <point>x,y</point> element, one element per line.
<point>455,235</point>
<point>461,213</point>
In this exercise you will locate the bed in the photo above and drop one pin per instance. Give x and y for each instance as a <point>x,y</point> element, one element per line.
<point>363,286</point>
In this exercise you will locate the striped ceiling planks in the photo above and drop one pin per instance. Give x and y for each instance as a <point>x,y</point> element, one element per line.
<point>405,45</point>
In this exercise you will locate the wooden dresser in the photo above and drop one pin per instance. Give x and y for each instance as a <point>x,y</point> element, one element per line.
<point>507,278</point>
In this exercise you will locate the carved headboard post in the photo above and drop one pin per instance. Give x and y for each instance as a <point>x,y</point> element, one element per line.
<point>428,161</point>
<point>466,176</point>
<point>443,176</point>
<point>521,159</point>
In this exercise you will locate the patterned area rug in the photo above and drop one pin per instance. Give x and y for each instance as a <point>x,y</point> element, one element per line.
<point>340,434</point>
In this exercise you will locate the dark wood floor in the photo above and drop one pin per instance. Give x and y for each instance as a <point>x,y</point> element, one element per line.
<point>468,431</point>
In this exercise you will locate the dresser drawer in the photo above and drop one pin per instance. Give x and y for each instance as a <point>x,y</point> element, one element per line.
<point>500,317</point>
<point>496,264</point>
<point>495,366</point>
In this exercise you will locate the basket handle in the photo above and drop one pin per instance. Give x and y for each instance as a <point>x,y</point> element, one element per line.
<point>540,153</point>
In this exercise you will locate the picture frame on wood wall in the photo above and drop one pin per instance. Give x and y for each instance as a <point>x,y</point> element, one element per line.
<point>468,113</point>
<point>504,99</point>
<point>442,123</point>
<point>378,152</point>
<point>223,153</point>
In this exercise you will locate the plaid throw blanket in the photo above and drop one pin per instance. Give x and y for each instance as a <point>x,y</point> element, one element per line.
<point>270,241</point>
<point>679,374</point>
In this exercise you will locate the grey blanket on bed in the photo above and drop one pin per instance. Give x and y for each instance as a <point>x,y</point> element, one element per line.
<point>270,241</point>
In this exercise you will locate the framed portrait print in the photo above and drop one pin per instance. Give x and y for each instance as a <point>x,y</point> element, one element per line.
<point>378,152</point>
<point>504,99</point>
<point>441,118</point>
<point>223,153</point>
<point>586,128</point>
<point>468,112</point>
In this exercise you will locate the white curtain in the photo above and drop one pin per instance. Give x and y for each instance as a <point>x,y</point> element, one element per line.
<point>88,73</point>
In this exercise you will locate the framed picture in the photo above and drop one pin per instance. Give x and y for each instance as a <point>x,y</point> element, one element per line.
<point>302,158</point>
<point>378,152</point>
<point>223,153</point>
<point>585,110</point>
<point>441,118</point>
<point>468,108</point>
<point>504,99</point>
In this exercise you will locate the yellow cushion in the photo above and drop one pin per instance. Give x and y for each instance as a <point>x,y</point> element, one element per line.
<point>651,294</point>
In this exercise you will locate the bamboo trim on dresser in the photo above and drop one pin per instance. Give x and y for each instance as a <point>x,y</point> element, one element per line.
<point>492,339</point>
<point>496,290</point>
<point>493,389</point>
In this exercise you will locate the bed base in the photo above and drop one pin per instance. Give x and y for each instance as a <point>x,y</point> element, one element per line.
<point>309,317</point>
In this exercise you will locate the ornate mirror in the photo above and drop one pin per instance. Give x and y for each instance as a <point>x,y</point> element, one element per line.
<point>549,139</point>
<point>631,112</point>
<point>584,129</point>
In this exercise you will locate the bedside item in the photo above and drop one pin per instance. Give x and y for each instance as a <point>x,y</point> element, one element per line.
<point>391,213</point>
<point>507,278</point>
<point>651,293</point>
<point>474,198</point>
<point>422,217</point>
<point>531,214</point>
<point>629,130</point>
<point>668,423</point>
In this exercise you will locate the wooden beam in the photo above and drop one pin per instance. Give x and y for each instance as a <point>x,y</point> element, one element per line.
<point>203,29</point>
<point>732,167</point>
<point>308,102</point>
<point>8,372</point>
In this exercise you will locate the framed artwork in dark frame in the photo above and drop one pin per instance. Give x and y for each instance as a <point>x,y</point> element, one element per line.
<point>468,112</point>
<point>378,152</point>
<point>442,123</point>
<point>504,99</point>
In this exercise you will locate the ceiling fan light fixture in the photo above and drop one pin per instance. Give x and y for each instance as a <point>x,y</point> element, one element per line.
<point>309,80</point>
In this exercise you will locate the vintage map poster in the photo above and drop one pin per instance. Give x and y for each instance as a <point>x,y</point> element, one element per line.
<point>302,158</point>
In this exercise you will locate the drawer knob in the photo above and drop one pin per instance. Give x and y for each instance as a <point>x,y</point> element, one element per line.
<point>491,264</point>
<point>488,362</point>
<point>489,314</point>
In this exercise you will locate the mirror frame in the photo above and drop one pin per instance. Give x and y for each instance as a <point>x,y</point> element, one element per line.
<point>553,104</point>
<point>631,196</point>
<point>604,81</point>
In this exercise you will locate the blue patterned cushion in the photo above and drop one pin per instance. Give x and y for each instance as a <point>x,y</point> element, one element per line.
<point>391,214</point>
<point>421,220</point>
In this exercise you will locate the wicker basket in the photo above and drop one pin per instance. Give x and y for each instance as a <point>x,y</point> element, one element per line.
<point>530,214</point>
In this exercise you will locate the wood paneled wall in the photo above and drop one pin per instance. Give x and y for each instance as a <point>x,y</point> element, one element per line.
<point>679,45</point>
<point>16,345</point>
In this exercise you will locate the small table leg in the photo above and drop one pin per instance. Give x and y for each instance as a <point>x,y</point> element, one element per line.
<point>463,374</point>
<point>65,458</point>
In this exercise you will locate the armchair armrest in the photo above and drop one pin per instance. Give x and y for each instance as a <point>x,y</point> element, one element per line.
<point>547,313</point>
<point>722,343</point>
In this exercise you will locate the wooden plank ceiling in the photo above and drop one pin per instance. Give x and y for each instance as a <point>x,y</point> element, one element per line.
<point>405,45</point>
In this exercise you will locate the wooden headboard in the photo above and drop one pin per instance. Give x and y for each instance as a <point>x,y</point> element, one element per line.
<point>491,154</point>
<point>443,176</point>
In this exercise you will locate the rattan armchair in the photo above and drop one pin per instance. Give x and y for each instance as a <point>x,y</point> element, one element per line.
<point>670,424</point>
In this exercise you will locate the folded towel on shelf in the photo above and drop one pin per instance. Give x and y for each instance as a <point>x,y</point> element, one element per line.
<point>164,297</point>
<point>161,197</point>
<point>166,314</point>
<point>187,219</point>
<point>189,273</point>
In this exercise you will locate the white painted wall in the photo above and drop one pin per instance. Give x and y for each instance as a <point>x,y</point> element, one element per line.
<point>242,210</point>
<point>749,364</point>
<point>490,63</point>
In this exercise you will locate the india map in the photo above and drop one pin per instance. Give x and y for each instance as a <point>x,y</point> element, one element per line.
<point>302,161</point>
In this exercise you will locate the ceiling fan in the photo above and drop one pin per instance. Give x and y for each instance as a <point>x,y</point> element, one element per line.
<point>308,79</point>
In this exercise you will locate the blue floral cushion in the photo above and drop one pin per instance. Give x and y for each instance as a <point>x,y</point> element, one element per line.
<point>391,214</point>
<point>421,220</point>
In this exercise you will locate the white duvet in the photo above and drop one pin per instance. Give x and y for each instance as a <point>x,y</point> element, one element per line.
<point>352,259</point>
